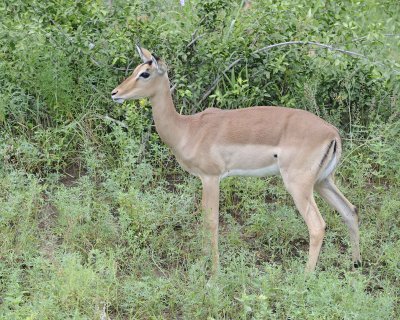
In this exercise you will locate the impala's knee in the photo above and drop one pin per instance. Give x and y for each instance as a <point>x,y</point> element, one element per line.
<point>351,217</point>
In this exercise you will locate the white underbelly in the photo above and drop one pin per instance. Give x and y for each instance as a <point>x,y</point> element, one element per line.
<point>259,172</point>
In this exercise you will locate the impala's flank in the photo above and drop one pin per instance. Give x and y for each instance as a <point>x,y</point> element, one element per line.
<point>257,141</point>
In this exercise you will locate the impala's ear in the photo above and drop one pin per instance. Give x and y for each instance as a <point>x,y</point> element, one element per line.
<point>144,54</point>
<point>158,64</point>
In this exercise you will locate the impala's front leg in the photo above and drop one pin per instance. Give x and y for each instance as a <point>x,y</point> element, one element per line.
<point>210,206</point>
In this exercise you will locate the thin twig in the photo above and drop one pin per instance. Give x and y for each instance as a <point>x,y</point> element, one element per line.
<point>327,46</point>
<point>120,69</point>
<point>218,78</point>
<point>70,39</point>
<point>145,138</point>
<point>127,68</point>
<point>194,40</point>
<point>95,62</point>
<point>172,89</point>
<point>156,264</point>
<point>108,118</point>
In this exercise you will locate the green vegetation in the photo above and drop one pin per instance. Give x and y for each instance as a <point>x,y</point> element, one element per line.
<point>96,218</point>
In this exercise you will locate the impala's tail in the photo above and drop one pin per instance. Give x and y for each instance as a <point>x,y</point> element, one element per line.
<point>330,159</point>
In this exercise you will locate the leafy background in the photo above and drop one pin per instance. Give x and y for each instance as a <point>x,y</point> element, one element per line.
<point>98,221</point>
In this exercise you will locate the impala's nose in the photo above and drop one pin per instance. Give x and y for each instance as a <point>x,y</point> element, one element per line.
<point>115,98</point>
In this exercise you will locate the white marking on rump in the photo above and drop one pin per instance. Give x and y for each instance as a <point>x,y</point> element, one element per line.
<point>259,172</point>
<point>328,169</point>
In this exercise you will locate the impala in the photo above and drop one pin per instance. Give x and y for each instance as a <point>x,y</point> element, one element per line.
<point>257,141</point>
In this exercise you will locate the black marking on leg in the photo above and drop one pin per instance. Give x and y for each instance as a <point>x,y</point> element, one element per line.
<point>357,214</point>
<point>275,156</point>
<point>357,264</point>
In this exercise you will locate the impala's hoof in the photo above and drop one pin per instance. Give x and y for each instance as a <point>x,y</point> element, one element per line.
<point>357,264</point>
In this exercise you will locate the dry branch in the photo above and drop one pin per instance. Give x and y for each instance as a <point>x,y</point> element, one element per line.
<point>281,44</point>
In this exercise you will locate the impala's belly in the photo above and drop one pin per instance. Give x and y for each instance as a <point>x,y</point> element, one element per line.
<point>260,172</point>
<point>250,160</point>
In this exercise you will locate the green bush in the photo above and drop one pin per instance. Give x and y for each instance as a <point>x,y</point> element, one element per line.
<point>96,218</point>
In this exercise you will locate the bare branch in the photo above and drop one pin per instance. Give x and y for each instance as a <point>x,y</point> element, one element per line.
<point>108,118</point>
<point>172,89</point>
<point>327,46</point>
<point>128,68</point>
<point>145,138</point>
<point>281,44</point>
<point>194,40</point>
<point>218,78</point>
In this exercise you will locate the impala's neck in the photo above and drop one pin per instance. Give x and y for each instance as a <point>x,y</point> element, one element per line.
<point>169,123</point>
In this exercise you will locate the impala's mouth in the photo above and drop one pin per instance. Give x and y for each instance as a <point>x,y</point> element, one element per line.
<point>118,100</point>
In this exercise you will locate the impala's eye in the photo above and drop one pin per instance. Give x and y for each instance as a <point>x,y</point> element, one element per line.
<point>144,75</point>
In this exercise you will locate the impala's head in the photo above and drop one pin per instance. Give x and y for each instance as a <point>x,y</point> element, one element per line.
<point>144,81</point>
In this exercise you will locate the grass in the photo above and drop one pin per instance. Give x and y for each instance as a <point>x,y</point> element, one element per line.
<point>80,248</point>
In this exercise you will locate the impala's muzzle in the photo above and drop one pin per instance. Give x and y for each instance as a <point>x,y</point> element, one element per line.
<point>115,97</point>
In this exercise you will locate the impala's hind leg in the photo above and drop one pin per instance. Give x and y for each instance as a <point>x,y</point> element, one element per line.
<point>301,189</point>
<point>328,190</point>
